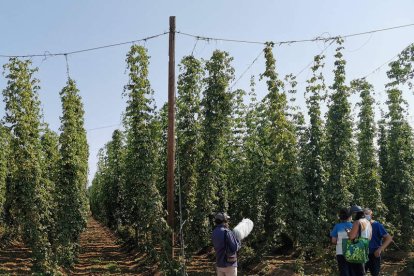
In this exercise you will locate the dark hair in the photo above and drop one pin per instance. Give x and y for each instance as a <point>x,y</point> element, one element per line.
<point>359,215</point>
<point>344,214</point>
<point>218,221</point>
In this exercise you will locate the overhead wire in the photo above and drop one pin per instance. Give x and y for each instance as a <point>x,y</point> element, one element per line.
<point>332,39</point>
<point>319,38</point>
<point>261,52</point>
<point>103,127</point>
<point>200,37</point>
<point>48,54</point>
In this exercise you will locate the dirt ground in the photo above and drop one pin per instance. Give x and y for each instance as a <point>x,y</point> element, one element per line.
<point>394,263</point>
<point>103,254</point>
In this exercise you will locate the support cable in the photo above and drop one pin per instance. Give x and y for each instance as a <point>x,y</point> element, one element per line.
<point>208,39</point>
<point>319,38</point>
<point>48,54</point>
<point>245,71</point>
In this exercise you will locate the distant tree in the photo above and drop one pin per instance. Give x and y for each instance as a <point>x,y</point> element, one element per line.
<point>71,187</point>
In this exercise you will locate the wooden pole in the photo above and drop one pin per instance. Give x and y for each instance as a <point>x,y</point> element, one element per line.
<point>171,130</point>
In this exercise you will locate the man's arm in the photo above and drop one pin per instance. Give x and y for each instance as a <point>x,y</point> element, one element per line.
<point>232,242</point>
<point>387,239</point>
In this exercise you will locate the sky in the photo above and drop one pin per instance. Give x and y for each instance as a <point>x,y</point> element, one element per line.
<point>38,27</point>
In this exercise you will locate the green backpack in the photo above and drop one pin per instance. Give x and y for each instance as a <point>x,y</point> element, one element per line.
<point>356,251</point>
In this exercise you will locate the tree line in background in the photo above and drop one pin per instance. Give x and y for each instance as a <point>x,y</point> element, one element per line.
<point>43,175</point>
<point>258,158</point>
<point>252,158</point>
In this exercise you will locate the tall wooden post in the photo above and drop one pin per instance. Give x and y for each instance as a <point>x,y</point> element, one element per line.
<point>171,130</point>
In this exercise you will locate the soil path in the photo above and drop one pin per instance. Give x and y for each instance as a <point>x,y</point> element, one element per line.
<point>201,266</point>
<point>15,260</point>
<point>101,253</point>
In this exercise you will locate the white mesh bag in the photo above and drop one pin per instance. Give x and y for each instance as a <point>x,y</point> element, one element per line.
<point>243,229</point>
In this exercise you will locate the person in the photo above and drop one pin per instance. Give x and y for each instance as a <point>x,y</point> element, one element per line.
<point>338,233</point>
<point>379,242</point>
<point>361,227</point>
<point>225,245</point>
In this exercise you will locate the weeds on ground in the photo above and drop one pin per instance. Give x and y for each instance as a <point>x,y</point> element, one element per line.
<point>113,267</point>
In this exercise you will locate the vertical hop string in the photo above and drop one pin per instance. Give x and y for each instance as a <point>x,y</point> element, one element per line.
<point>67,65</point>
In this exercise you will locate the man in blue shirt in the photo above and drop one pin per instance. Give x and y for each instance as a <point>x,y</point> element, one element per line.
<point>226,246</point>
<point>379,241</point>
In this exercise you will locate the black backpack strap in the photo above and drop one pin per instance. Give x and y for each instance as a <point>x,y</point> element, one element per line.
<point>225,241</point>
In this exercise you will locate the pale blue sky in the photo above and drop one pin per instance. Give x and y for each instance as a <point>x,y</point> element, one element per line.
<point>28,27</point>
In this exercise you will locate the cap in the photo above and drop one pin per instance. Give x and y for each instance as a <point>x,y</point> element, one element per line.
<point>221,216</point>
<point>356,209</point>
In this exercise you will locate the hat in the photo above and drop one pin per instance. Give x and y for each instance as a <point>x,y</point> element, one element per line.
<point>221,216</point>
<point>356,209</point>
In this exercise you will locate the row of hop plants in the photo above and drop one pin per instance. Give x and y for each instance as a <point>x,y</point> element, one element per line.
<point>43,175</point>
<point>264,159</point>
<point>258,160</point>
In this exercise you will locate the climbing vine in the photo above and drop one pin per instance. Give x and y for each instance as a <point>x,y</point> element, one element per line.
<point>257,158</point>
<point>212,191</point>
<point>73,172</point>
<point>26,199</point>
<point>340,154</point>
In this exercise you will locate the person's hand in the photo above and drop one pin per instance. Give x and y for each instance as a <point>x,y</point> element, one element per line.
<point>377,252</point>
